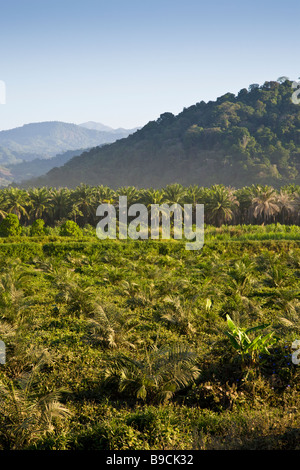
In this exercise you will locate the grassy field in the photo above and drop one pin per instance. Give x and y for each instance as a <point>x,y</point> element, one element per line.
<point>129,345</point>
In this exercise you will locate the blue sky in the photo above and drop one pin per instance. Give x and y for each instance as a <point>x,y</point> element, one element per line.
<point>123,63</point>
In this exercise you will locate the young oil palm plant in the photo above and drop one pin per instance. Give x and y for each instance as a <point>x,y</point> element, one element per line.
<point>177,316</point>
<point>237,286</point>
<point>157,376</point>
<point>240,277</point>
<point>136,294</point>
<point>25,412</point>
<point>109,329</point>
<point>276,276</point>
<point>11,297</point>
<point>78,300</point>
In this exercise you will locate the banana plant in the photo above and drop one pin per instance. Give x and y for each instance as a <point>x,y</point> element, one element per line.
<point>244,345</point>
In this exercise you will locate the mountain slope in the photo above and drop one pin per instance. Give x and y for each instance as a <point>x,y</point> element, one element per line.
<point>253,137</point>
<point>47,139</point>
<point>34,168</point>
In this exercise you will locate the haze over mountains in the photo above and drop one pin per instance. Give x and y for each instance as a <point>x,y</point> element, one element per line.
<point>237,140</point>
<point>101,127</point>
<point>53,141</point>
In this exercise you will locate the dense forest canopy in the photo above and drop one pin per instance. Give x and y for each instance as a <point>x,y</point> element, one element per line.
<point>249,138</point>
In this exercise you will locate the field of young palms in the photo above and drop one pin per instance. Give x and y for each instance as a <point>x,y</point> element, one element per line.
<point>123,344</point>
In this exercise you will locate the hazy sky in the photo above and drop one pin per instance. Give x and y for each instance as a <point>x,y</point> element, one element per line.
<point>124,62</point>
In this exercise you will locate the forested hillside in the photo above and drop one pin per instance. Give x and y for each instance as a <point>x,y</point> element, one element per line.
<point>249,138</point>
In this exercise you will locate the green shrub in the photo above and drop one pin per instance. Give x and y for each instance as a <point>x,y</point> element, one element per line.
<point>10,226</point>
<point>37,228</point>
<point>70,229</point>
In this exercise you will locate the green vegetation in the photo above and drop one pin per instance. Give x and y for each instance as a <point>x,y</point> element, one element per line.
<point>10,226</point>
<point>237,140</point>
<point>247,348</point>
<point>124,344</point>
<point>255,204</point>
<point>70,229</point>
<point>142,344</point>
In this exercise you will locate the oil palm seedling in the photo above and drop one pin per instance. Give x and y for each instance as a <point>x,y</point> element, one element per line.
<point>77,300</point>
<point>157,376</point>
<point>109,329</point>
<point>11,298</point>
<point>276,276</point>
<point>241,277</point>
<point>176,315</point>
<point>136,294</point>
<point>26,413</point>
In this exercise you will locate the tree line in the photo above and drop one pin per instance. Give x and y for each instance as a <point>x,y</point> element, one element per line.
<point>255,204</point>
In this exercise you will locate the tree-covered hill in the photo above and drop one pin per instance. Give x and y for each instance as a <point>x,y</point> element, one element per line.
<point>249,138</point>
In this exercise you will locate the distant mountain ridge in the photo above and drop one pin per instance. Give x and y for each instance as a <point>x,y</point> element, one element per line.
<point>249,138</point>
<point>47,139</point>
<point>98,126</point>
<point>33,149</point>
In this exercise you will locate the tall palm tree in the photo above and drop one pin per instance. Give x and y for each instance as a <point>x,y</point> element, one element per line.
<point>296,205</point>
<point>265,206</point>
<point>151,196</point>
<point>244,196</point>
<point>102,194</point>
<point>60,202</point>
<point>130,192</point>
<point>220,206</point>
<point>3,213</point>
<point>196,195</point>
<point>83,199</point>
<point>40,202</point>
<point>17,202</point>
<point>287,206</point>
<point>174,193</point>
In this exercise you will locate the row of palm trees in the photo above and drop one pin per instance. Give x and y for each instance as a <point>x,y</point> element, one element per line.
<point>254,204</point>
